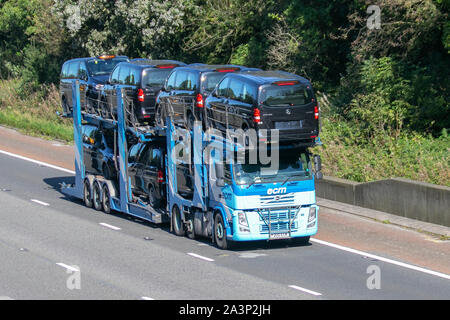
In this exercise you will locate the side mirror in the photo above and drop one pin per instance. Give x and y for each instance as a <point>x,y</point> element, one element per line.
<point>318,167</point>
<point>219,175</point>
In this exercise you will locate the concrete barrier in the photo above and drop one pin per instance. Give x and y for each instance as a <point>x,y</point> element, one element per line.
<point>411,199</point>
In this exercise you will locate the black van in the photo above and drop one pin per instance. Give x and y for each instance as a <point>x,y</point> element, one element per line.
<point>98,151</point>
<point>146,171</point>
<point>142,80</point>
<point>187,87</point>
<point>91,73</point>
<point>265,100</point>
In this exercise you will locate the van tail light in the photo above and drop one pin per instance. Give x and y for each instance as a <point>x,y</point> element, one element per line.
<point>160,176</point>
<point>256,115</point>
<point>199,101</point>
<point>316,112</point>
<point>140,95</point>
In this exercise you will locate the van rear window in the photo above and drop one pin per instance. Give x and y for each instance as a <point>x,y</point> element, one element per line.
<point>289,95</point>
<point>154,77</point>
<point>211,79</point>
<point>98,67</point>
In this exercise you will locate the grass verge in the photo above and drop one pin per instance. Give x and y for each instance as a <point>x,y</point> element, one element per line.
<point>33,114</point>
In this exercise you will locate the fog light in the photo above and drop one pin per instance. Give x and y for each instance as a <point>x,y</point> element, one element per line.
<point>242,229</point>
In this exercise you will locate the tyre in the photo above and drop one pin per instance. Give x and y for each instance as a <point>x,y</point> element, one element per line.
<point>97,196</point>
<point>106,199</point>
<point>152,200</point>
<point>87,196</point>
<point>159,122</point>
<point>106,171</point>
<point>301,240</point>
<point>177,223</point>
<point>190,120</point>
<point>65,106</point>
<point>190,228</point>
<point>220,233</point>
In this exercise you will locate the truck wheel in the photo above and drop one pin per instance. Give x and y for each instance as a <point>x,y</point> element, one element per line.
<point>106,199</point>
<point>106,172</point>
<point>190,120</point>
<point>87,196</point>
<point>152,201</point>
<point>177,223</point>
<point>220,233</point>
<point>301,240</point>
<point>96,196</point>
<point>191,229</point>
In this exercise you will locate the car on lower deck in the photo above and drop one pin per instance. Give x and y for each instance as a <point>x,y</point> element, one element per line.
<point>146,170</point>
<point>98,151</point>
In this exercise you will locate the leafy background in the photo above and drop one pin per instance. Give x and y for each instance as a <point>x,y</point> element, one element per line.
<point>384,93</point>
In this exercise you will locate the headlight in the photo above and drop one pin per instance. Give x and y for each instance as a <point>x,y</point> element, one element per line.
<point>99,87</point>
<point>312,214</point>
<point>242,218</point>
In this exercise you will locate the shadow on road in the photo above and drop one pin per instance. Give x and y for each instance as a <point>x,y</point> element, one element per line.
<point>56,183</point>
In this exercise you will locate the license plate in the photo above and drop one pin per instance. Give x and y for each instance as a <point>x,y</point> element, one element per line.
<point>297,124</point>
<point>282,235</point>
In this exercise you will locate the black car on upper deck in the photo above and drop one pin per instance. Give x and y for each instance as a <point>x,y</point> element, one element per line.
<point>265,100</point>
<point>187,87</point>
<point>92,73</point>
<point>142,80</point>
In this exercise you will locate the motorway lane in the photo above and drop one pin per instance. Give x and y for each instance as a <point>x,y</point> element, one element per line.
<point>161,268</point>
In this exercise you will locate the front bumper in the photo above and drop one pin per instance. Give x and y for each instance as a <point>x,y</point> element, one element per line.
<point>284,223</point>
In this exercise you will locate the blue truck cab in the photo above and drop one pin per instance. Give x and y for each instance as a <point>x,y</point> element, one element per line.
<point>237,201</point>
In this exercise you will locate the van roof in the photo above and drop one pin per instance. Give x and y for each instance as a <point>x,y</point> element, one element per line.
<point>200,67</point>
<point>154,63</point>
<point>263,77</point>
<point>90,58</point>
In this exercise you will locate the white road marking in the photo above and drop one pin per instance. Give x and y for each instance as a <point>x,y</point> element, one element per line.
<point>147,298</point>
<point>250,255</point>
<point>67,267</point>
<point>336,246</point>
<point>40,202</point>
<point>200,257</point>
<point>306,290</point>
<point>109,226</point>
<point>369,255</point>
<point>36,161</point>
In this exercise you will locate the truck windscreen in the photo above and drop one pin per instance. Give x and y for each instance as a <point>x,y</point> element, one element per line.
<point>289,95</point>
<point>294,165</point>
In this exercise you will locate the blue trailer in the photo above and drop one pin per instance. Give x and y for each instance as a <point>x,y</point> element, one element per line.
<point>231,201</point>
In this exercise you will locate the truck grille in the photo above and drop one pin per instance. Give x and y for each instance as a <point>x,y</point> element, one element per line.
<point>276,200</point>
<point>278,227</point>
<point>278,219</point>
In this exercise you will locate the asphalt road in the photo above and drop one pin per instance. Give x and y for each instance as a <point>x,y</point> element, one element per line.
<point>43,234</point>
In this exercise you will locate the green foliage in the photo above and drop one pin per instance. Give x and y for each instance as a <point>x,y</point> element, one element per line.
<point>387,109</point>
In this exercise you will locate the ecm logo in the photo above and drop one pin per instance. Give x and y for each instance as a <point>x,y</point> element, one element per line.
<point>276,190</point>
